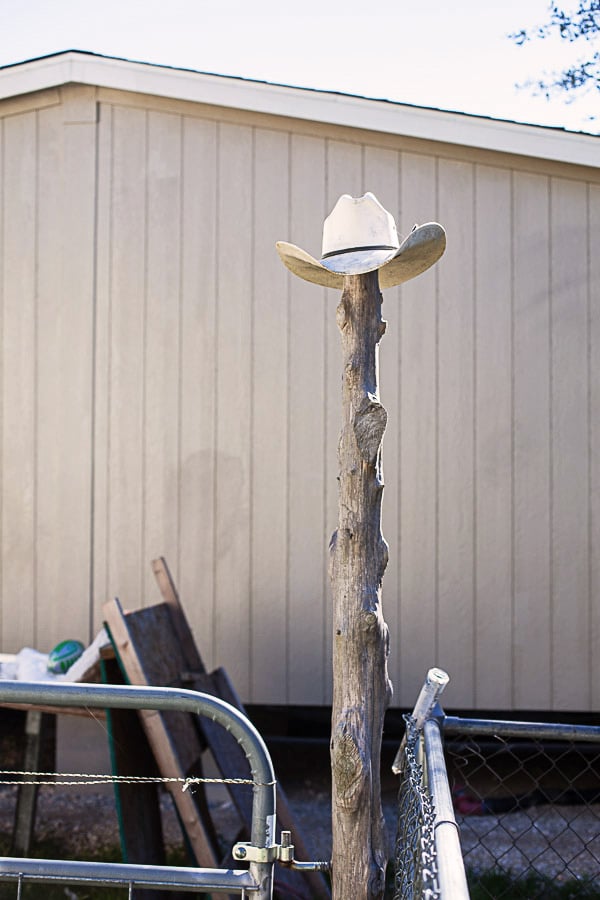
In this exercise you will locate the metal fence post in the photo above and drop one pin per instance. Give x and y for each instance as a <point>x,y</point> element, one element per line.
<point>452,879</point>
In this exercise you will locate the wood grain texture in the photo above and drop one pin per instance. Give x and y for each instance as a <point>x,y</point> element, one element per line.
<point>358,558</point>
<point>171,735</point>
<point>344,175</point>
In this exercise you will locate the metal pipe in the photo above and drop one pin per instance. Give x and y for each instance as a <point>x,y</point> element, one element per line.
<point>452,879</point>
<point>159,877</point>
<point>434,684</point>
<point>537,730</point>
<point>142,697</point>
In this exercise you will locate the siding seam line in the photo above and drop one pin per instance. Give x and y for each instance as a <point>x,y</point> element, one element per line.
<point>252,419</point>
<point>36,376</point>
<point>144,398</point>
<point>512,443</point>
<point>94,384</point>
<point>475,440</point>
<point>551,351</point>
<point>325,451</point>
<point>2,410</point>
<point>215,495</point>
<point>287,649</point>
<point>590,520</point>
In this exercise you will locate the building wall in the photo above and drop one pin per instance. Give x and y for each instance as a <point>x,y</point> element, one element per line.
<point>169,389</point>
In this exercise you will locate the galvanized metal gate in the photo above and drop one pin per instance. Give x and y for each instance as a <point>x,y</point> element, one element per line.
<point>260,852</point>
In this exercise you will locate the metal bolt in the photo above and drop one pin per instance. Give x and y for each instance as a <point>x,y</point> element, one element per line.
<point>240,852</point>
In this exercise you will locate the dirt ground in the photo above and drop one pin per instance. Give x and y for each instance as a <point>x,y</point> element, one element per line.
<point>84,818</point>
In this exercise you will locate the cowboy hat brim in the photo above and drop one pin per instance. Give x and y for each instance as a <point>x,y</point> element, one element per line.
<point>420,250</point>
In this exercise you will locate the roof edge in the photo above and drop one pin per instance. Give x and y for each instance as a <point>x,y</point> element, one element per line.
<point>326,107</point>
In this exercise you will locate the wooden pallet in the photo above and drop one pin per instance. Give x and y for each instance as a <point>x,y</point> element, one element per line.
<point>155,646</point>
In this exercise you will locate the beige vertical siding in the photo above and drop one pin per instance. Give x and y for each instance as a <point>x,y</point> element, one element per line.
<point>309,308</point>
<point>48,176</point>
<point>169,389</point>
<point>413,427</point>
<point>19,343</point>
<point>594,440</point>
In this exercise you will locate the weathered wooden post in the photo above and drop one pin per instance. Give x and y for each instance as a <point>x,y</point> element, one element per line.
<point>361,253</point>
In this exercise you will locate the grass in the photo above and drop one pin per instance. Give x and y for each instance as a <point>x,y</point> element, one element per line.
<point>497,885</point>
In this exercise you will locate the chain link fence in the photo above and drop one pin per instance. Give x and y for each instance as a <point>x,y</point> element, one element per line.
<point>525,798</point>
<point>416,858</point>
<point>527,801</point>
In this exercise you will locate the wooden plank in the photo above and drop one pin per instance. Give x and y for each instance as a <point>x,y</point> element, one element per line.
<point>269,437</point>
<point>417,439</point>
<point>570,446</point>
<point>455,551</point>
<point>148,655</point>
<point>531,628</point>
<point>138,806</point>
<point>309,308</point>
<point>39,756</point>
<point>185,638</point>
<point>149,651</point>
<point>229,757</point>
<point>493,440</point>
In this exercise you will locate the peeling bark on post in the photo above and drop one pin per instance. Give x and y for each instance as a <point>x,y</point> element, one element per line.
<point>358,557</point>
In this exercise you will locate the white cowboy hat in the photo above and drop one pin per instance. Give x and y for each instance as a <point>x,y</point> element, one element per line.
<point>360,236</point>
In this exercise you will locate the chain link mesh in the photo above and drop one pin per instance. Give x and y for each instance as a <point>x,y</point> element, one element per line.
<point>528,810</point>
<point>415,856</point>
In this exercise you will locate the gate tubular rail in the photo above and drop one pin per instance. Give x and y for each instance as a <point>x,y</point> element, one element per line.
<point>257,880</point>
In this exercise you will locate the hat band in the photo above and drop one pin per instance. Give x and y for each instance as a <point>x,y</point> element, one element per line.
<point>359,250</point>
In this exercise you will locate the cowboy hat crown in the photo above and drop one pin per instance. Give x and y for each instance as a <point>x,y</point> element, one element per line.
<point>360,236</point>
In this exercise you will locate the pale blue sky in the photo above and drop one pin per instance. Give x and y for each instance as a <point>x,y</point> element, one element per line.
<point>448,55</point>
